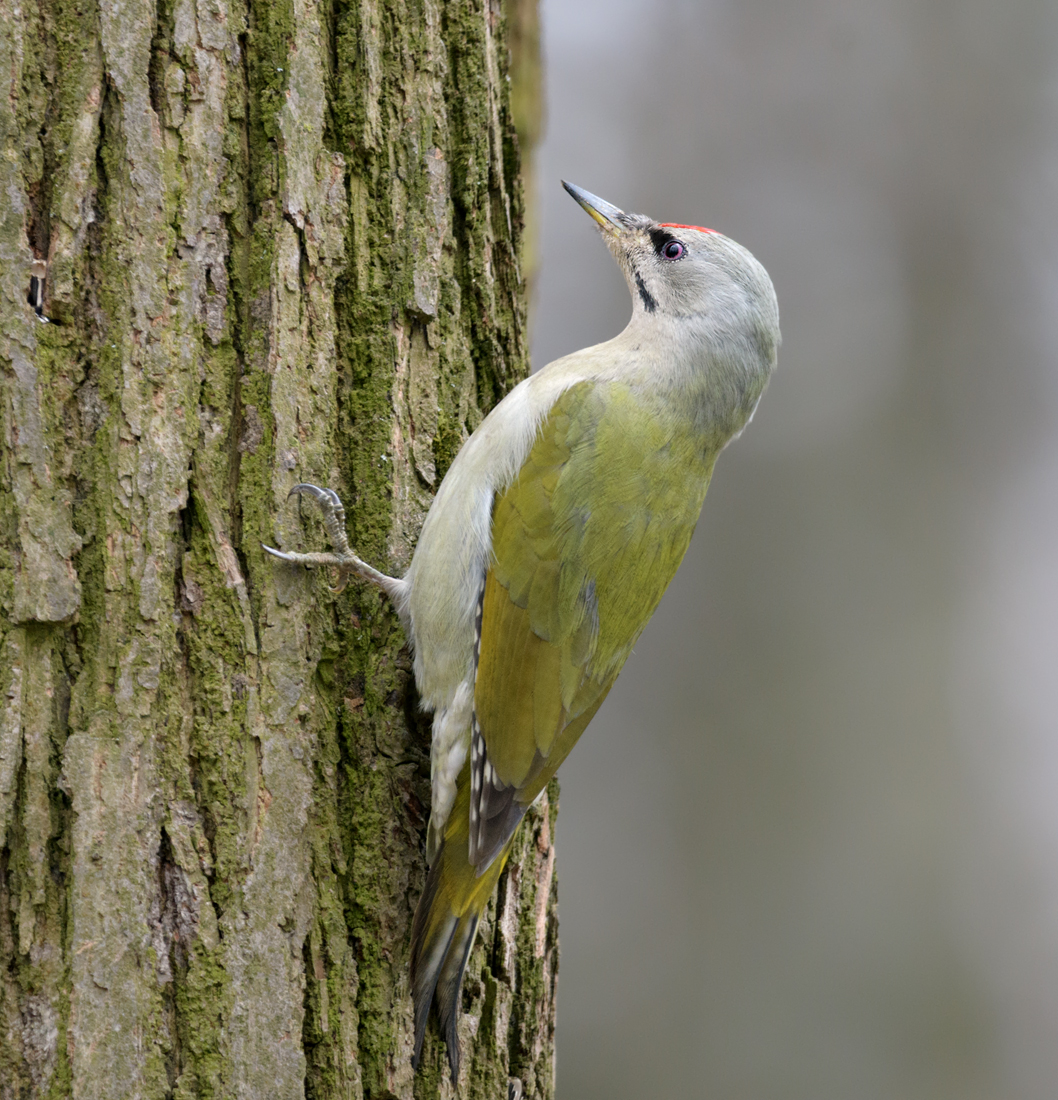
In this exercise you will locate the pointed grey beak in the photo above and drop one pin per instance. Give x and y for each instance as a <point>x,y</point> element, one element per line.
<point>605,213</point>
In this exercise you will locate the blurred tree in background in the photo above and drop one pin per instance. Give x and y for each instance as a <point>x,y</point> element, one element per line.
<point>839,731</point>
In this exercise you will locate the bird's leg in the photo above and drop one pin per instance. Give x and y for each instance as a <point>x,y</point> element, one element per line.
<point>342,557</point>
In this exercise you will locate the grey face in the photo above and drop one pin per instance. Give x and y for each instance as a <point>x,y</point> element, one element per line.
<point>680,274</point>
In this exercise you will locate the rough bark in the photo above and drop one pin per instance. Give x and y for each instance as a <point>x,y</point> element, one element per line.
<point>283,244</point>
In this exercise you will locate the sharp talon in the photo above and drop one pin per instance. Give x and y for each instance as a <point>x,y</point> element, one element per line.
<point>342,558</point>
<point>312,490</point>
<point>276,553</point>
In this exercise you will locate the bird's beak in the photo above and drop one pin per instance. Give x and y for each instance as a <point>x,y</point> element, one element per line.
<point>605,213</point>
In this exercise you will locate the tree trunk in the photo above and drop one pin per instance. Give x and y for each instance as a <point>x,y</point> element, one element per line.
<point>283,244</point>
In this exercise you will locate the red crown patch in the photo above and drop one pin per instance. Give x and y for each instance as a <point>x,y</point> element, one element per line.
<point>680,225</point>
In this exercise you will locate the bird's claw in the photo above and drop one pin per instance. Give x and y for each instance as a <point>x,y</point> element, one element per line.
<point>342,558</point>
<point>314,491</point>
<point>330,505</point>
<point>344,564</point>
<point>283,555</point>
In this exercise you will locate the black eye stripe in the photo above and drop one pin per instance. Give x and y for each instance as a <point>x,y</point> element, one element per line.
<point>659,238</point>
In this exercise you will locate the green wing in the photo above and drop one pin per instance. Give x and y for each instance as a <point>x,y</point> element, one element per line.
<point>584,542</point>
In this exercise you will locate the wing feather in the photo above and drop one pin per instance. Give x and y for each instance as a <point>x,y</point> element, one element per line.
<point>584,543</point>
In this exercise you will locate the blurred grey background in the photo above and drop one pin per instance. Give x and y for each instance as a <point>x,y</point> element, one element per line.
<point>809,848</point>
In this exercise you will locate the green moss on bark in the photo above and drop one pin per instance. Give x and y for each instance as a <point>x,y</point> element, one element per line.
<point>283,244</point>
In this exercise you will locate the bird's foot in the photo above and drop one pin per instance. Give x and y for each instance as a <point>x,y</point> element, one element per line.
<point>342,558</point>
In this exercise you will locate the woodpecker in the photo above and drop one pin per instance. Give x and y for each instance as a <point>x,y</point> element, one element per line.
<point>548,546</point>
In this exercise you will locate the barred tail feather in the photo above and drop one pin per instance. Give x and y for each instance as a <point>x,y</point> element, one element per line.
<point>446,922</point>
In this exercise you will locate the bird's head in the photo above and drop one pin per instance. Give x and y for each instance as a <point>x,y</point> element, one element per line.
<point>689,279</point>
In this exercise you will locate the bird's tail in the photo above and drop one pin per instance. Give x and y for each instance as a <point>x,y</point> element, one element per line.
<point>445,924</point>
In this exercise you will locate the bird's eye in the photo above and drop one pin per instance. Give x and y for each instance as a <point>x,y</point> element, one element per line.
<point>673,250</point>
